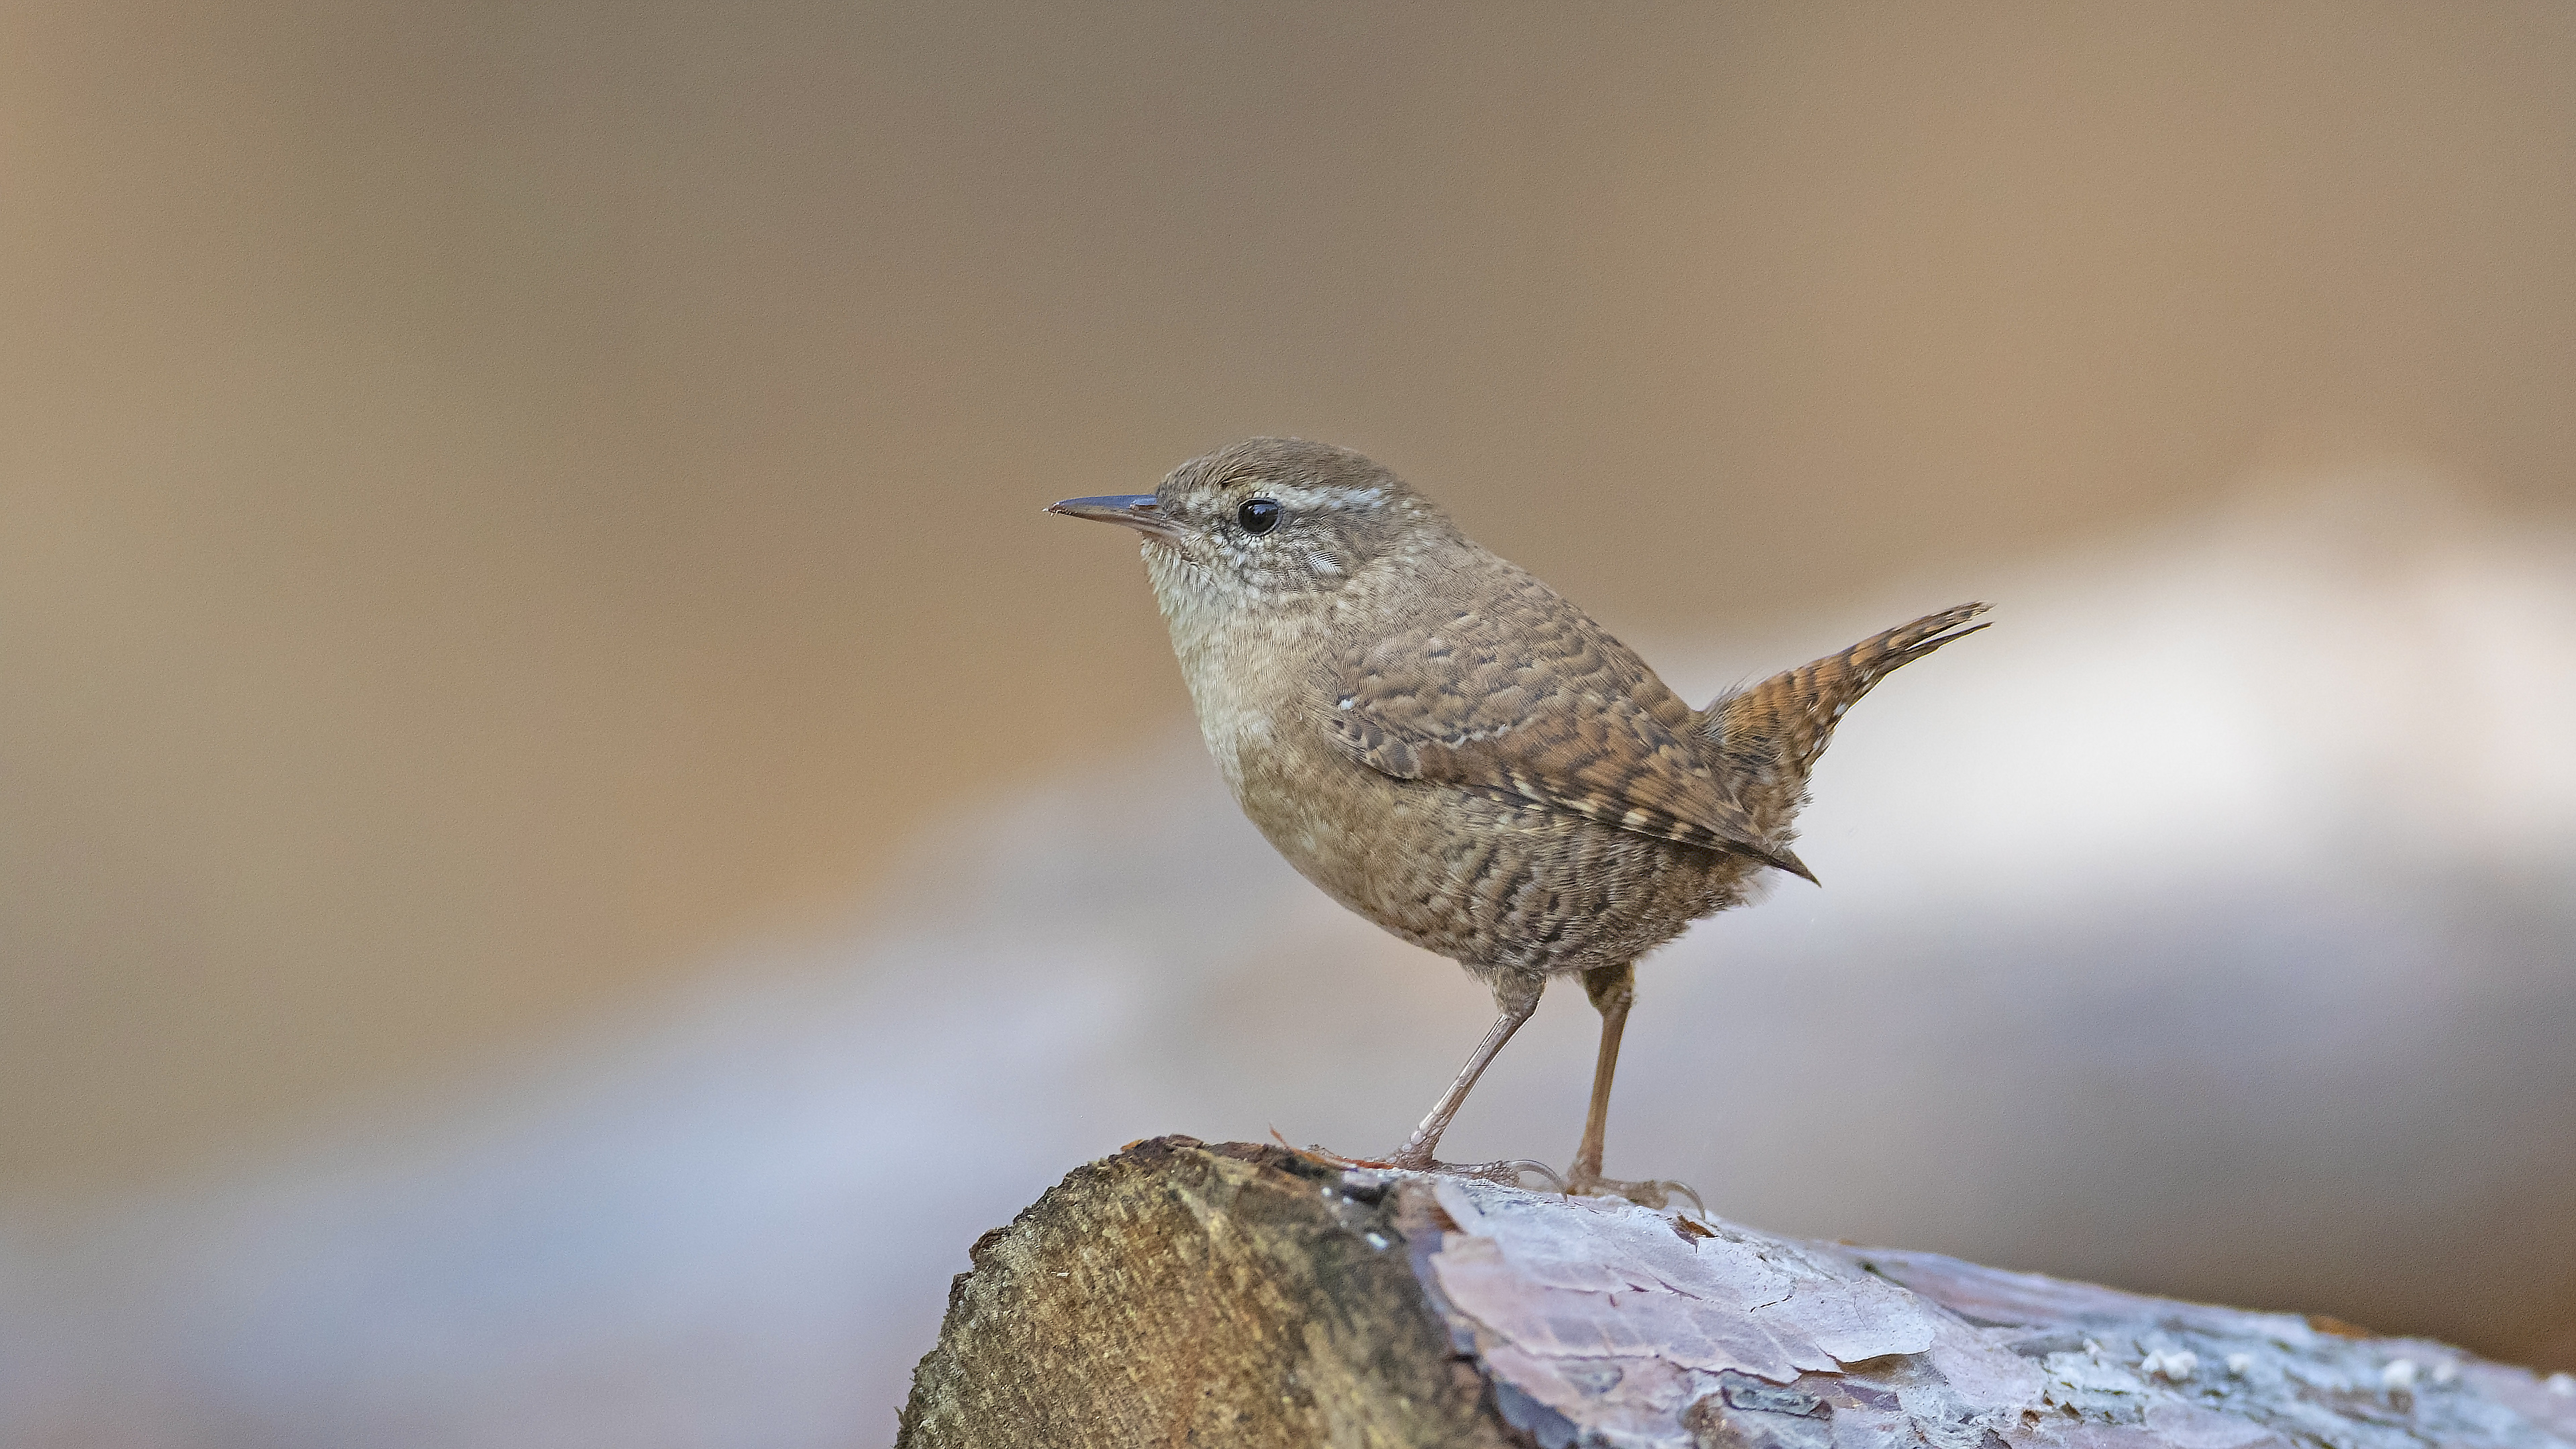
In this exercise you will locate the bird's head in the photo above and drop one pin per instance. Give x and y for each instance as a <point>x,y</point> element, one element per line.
<point>1269,524</point>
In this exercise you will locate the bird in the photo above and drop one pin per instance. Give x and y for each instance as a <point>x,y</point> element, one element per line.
<point>1451,749</point>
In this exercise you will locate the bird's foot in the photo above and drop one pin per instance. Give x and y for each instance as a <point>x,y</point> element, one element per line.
<point>1656,1193</point>
<point>1507,1172</point>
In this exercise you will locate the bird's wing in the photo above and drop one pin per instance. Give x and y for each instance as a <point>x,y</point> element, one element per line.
<point>1527,697</point>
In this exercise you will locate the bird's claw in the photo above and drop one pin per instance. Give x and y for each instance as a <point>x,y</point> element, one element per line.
<point>1507,1172</point>
<point>1653,1193</point>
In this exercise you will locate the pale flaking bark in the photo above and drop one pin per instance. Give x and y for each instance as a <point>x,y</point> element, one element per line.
<point>1180,1294</point>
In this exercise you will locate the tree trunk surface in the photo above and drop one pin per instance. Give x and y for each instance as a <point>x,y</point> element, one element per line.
<point>1185,1294</point>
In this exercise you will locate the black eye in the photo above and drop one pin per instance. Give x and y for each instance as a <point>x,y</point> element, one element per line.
<point>1258,516</point>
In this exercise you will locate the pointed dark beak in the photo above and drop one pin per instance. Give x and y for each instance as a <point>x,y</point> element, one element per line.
<point>1136,510</point>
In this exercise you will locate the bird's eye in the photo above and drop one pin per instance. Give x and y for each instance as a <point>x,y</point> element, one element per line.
<point>1258,516</point>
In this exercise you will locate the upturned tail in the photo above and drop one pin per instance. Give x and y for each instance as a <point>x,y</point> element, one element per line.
<point>1769,736</point>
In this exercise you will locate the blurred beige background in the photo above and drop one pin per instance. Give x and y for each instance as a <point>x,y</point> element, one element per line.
<point>501,498</point>
<point>499,502</point>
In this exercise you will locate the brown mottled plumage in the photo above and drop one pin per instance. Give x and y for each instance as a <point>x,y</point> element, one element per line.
<point>1449,748</point>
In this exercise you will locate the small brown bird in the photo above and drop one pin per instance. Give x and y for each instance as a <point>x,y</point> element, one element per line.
<point>1455,752</point>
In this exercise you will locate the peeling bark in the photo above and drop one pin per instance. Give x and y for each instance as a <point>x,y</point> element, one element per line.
<point>1178,1293</point>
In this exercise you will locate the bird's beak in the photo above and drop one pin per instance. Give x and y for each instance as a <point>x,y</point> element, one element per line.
<point>1136,510</point>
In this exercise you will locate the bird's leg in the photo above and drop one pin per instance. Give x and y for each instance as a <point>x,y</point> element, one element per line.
<point>1613,989</point>
<point>1515,997</point>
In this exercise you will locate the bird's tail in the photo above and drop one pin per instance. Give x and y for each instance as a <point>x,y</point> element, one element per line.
<point>1771,734</point>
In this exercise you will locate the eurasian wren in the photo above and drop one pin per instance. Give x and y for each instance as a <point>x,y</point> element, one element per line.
<point>1450,749</point>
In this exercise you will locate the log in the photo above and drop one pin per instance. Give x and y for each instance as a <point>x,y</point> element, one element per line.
<point>1180,1293</point>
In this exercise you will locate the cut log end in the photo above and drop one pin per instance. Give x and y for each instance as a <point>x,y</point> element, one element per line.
<point>1180,1293</point>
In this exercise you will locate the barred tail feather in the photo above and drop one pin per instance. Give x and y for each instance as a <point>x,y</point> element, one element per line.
<point>1770,735</point>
